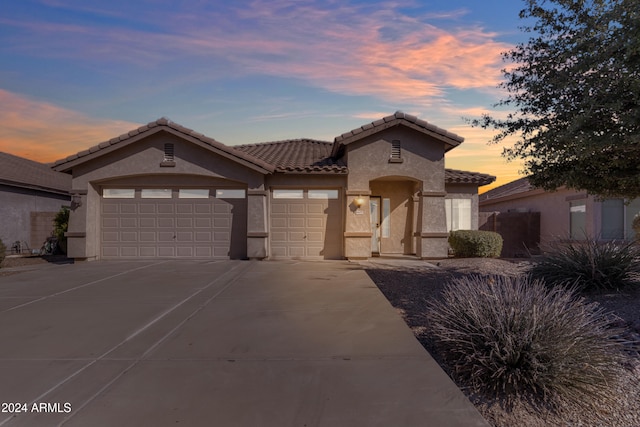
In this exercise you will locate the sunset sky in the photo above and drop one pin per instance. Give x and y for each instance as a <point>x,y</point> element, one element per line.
<point>74,73</point>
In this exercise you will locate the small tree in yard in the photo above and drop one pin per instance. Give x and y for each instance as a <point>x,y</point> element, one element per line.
<point>61,225</point>
<point>575,86</point>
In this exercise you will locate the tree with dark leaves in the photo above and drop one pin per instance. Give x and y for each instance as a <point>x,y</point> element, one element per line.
<point>575,89</point>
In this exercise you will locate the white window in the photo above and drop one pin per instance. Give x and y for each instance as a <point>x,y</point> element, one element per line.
<point>386,221</point>
<point>193,193</point>
<point>230,194</point>
<point>458,214</point>
<point>288,194</point>
<point>323,194</point>
<point>118,193</point>
<point>156,193</point>
<point>631,210</point>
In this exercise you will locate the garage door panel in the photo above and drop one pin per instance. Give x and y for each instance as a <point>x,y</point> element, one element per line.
<point>184,208</point>
<point>315,223</point>
<point>177,227</point>
<point>315,208</point>
<point>300,228</point>
<point>184,223</point>
<point>128,209</point>
<point>165,208</point>
<point>222,208</point>
<point>296,236</point>
<point>166,223</point>
<point>110,209</point>
<point>166,251</point>
<point>223,222</point>
<point>147,222</point>
<point>110,236</point>
<point>147,236</point>
<point>109,223</point>
<point>296,208</point>
<point>128,223</point>
<point>147,208</point>
<point>203,222</point>
<point>203,252</point>
<point>165,236</point>
<point>129,251</point>
<point>128,236</point>
<point>296,222</point>
<point>316,236</point>
<point>184,251</point>
<point>203,236</point>
<point>184,236</point>
<point>148,251</point>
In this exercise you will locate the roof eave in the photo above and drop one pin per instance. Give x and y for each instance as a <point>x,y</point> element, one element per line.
<point>162,125</point>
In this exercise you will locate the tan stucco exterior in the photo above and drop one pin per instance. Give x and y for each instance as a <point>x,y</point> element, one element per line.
<point>413,182</point>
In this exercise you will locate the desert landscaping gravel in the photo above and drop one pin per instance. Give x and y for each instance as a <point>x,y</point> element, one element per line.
<point>410,286</point>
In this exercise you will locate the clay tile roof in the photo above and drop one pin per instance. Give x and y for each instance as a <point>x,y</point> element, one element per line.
<point>164,122</point>
<point>454,176</point>
<point>296,155</point>
<point>512,188</point>
<point>451,139</point>
<point>22,172</point>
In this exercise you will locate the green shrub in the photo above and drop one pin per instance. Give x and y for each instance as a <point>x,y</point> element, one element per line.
<point>475,243</point>
<point>518,339</point>
<point>590,265</point>
<point>3,251</point>
<point>61,226</point>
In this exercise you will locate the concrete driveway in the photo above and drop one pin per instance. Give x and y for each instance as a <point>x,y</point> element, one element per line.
<point>233,343</point>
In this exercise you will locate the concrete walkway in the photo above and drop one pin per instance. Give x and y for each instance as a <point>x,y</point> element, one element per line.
<point>234,343</point>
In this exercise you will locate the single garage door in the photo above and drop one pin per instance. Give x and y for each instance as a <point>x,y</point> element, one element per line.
<point>173,223</point>
<point>306,223</point>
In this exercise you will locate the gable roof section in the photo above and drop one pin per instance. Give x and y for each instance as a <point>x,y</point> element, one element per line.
<point>451,140</point>
<point>21,172</point>
<point>297,156</point>
<point>151,128</point>
<point>514,189</point>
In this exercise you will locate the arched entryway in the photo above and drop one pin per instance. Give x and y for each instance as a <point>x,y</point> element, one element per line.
<point>393,211</point>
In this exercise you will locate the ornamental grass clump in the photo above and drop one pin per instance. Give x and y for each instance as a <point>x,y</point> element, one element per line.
<point>590,265</point>
<point>515,338</point>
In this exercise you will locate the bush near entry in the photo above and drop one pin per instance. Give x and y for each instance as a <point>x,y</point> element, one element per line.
<point>475,243</point>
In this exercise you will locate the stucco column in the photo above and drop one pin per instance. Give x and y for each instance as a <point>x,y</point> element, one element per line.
<point>357,235</point>
<point>431,236</point>
<point>257,226</point>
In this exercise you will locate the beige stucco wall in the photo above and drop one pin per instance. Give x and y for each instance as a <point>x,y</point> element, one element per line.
<point>553,208</point>
<point>140,162</point>
<point>422,161</point>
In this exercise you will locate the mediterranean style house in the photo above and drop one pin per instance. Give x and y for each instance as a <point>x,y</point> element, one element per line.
<point>565,214</point>
<point>163,190</point>
<point>31,194</point>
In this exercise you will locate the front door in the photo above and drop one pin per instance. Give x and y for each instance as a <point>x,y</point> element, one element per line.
<point>374,205</point>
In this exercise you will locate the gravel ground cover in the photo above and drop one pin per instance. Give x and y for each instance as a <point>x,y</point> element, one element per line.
<point>411,286</point>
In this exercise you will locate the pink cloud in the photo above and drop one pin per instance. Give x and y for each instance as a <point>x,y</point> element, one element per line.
<point>45,132</point>
<point>370,50</point>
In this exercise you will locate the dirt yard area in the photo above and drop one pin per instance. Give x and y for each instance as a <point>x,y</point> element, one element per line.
<point>410,290</point>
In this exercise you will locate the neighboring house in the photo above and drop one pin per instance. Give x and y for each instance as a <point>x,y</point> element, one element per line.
<point>30,196</point>
<point>564,214</point>
<point>163,190</point>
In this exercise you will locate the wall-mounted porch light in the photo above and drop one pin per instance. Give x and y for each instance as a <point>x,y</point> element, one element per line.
<point>76,201</point>
<point>359,201</point>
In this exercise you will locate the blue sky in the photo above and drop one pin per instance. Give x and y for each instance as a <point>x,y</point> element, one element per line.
<point>74,73</point>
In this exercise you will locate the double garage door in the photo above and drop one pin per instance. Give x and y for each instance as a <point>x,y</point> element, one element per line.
<point>306,223</point>
<point>173,223</point>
